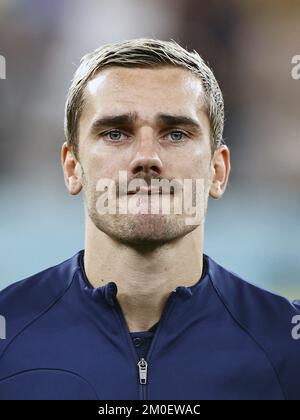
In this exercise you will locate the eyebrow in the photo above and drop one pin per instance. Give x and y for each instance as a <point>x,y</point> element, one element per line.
<point>175,120</point>
<point>120,120</point>
<point>128,119</point>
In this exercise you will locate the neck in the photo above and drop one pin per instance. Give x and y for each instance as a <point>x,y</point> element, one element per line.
<point>145,278</point>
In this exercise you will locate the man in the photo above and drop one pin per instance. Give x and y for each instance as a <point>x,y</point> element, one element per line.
<point>141,312</point>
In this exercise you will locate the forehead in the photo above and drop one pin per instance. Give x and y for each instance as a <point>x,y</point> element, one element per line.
<point>146,91</point>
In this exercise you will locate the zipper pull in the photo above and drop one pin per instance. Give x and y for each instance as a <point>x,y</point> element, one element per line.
<point>143,365</point>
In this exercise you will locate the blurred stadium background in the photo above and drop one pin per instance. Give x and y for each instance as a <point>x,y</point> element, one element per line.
<point>254,229</point>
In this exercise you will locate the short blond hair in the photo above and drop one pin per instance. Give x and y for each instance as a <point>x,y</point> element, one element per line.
<point>143,52</point>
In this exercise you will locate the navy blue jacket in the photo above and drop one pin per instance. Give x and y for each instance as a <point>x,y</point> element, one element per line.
<point>222,338</point>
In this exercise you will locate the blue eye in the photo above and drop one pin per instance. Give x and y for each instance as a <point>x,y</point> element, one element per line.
<point>177,135</point>
<point>114,135</point>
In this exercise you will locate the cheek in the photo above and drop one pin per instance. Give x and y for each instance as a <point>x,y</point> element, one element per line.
<point>195,165</point>
<point>97,162</point>
<point>107,160</point>
<point>201,161</point>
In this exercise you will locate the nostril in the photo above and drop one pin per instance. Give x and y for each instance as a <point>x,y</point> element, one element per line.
<point>155,169</point>
<point>145,171</point>
<point>138,169</point>
<point>146,163</point>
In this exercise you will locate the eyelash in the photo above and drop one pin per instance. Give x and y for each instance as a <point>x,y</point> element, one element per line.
<point>119,131</point>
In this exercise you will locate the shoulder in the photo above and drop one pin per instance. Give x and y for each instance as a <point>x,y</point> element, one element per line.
<point>241,293</point>
<point>271,320</point>
<point>23,301</point>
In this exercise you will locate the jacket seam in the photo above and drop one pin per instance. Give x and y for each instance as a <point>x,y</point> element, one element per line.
<point>41,314</point>
<point>244,328</point>
<point>52,370</point>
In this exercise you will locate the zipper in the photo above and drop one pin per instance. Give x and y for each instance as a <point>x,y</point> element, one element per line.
<point>143,367</point>
<point>143,364</point>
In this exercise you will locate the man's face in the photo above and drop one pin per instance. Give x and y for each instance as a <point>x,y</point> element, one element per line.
<point>147,143</point>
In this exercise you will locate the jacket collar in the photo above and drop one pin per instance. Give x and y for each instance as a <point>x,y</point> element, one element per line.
<point>109,291</point>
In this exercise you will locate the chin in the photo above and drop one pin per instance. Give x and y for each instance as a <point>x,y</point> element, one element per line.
<point>149,230</point>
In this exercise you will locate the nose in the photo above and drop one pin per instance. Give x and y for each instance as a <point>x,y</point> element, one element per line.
<point>146,158</point>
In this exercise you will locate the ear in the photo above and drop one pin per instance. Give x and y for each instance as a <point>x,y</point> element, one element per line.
<point>72,170</point>
<point>220,167</point>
